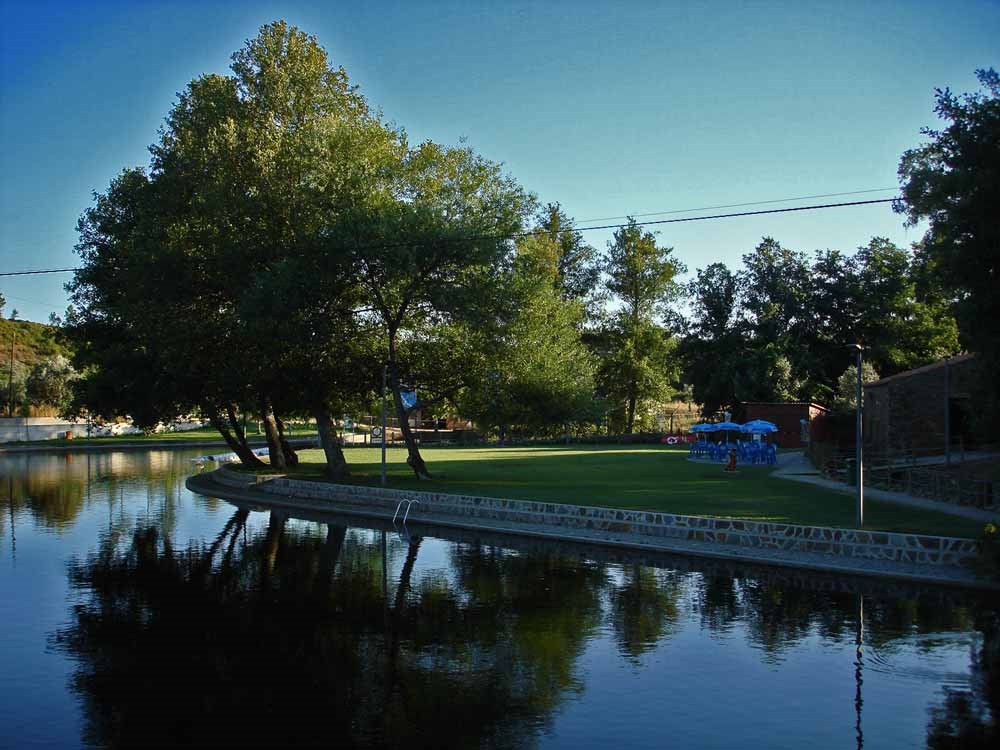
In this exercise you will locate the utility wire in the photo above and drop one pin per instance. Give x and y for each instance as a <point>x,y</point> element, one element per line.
<point>738,205</point>
<point>537,232</point>
<point>32,273</point>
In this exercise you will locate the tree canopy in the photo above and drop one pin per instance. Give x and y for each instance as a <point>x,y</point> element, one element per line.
<point>953,182</point>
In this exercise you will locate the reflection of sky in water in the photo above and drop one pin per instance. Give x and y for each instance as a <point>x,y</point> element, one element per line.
<point>659,667</point>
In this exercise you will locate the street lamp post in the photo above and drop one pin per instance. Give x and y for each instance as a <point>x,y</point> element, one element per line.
<point>859,510</point>
<point>385,370</point>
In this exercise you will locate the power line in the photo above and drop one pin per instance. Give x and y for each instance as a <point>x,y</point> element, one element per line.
<point>32,273</point>
<point>537,232</point>
<point>718,216</point>
<point>739,205</point>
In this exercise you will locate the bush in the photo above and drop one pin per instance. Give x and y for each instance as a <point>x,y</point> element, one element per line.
<point>989,550</point>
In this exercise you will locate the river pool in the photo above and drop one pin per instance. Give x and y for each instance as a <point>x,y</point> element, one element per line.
<point>135,613</point>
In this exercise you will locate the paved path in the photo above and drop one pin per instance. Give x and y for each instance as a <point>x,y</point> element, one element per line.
<point>940,574</point>
<point>796,467</point>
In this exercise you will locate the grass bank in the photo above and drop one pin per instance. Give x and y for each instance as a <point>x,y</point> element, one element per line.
<point>634,477</point>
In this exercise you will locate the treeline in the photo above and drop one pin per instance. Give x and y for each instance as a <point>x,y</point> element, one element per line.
<point>777,329</point>
<point>288,249</point>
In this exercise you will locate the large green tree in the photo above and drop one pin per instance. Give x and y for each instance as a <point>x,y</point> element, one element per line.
<point>953,182</point>
<point>433,254</point>
<point>538,378</point>
<point>714,347</point>
<point>578,268</point>
<point>193,273</point>
<point>639,365</point>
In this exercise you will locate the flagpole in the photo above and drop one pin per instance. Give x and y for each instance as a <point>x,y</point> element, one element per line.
<point>384,376</point>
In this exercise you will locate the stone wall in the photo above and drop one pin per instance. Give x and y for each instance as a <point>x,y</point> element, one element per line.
<point>15,429</point>
<point>873,545</point>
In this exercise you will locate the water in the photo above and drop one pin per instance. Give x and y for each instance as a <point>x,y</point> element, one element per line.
<point>137,614</point>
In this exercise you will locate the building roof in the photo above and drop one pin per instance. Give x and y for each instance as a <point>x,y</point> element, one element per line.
<point>785,403</point>
<point>919,370</point>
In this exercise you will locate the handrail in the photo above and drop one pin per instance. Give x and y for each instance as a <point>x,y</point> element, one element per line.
<point>409,504</point>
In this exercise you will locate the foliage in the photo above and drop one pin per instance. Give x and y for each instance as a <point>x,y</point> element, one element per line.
<point>49,382</point>
<point>639,365</point>
<point>846,398</point>
<point>539,378</point>
<point>432,254</point>
<point>779,328</point>
<point>578,265</point>
<point>285,242</point>
<point>23,344</point>
<point>953,182</point>
<point>989,550</point>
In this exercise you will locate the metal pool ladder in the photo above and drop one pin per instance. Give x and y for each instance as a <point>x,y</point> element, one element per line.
<point>409,504</point>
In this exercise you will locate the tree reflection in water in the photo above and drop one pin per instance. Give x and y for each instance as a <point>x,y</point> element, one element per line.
<point>293,637</point>
<point>55,488</point>
<point>968,718</point>
<point>230,643</point>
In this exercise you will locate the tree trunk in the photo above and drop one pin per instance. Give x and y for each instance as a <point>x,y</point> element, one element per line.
<point>275,528</point>
<point>291,457</point>
<point>247,458</point>
<point>240,526</point>
<point>630,415</point>
<point>275,453</point>
<point>328,556</point>
<point>396,617</point>
<point>240,433</point>
<point>413,458</point>
<point>205,564</point>
<point>336,463</point>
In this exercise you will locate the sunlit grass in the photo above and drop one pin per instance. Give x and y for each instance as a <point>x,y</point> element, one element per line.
<point>643,478</point>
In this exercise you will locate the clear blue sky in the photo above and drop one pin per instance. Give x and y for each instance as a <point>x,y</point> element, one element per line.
<point>609,108</point>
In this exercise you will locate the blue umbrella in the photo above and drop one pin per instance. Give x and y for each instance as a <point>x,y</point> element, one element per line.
<point>727,426</point>
<point>759,426</point>
<point>703,427</point>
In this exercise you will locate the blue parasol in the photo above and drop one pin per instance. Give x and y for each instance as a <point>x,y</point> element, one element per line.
<point>759,427</point>
<point>727,426</point>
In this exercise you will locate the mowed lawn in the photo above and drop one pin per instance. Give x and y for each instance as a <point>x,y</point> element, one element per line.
<point>645,478</point>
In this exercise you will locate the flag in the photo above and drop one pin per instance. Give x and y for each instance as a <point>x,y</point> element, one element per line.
<point>409,399</point>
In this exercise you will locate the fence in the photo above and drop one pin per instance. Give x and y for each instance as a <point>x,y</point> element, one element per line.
<point>903,473</point>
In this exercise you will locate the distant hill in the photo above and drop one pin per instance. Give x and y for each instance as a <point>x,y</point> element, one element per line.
<point>32,342</point>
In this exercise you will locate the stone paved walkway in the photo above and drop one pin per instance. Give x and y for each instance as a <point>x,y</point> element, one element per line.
<point>797,468</point>
<point>947,575</point>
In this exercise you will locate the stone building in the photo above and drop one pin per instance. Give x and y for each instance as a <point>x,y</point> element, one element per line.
<point>792,418</point>
<point>919,411</point>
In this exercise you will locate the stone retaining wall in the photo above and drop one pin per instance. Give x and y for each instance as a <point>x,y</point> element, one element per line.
<point>873,545</point>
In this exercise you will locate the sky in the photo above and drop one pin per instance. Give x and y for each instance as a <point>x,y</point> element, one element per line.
<point>610,108</point>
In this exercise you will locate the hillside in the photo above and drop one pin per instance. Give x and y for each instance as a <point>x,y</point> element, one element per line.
<point>32,342</point>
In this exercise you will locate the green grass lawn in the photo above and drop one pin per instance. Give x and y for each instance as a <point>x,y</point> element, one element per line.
<point>645,478</point>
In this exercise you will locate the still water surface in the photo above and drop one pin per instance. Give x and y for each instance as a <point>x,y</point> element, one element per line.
<point>135,613</point>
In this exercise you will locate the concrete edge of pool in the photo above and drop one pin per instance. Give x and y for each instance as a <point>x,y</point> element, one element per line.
<point>925,559</point>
